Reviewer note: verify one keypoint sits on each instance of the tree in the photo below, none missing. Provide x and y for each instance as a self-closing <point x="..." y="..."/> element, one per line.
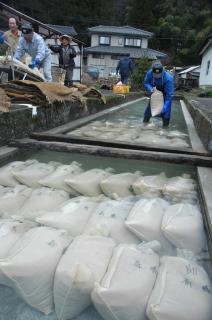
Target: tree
<point x="140" y="69"/>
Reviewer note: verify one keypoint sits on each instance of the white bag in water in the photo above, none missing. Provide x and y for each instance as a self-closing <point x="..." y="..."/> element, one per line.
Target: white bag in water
<point x="179" y="187"/>
<point x="7" y="178"/>
<point x="88" y="182"/>
<point x="31" y="263"/>
<point x="12" y="199"/>
<point x="182" y="225"/>
<point x="10" y="232"/>
<point x="108" y="220"/>
<point x="31" y="174"/>
<point x="145" y="221"/>
<point x="156" y="103"/>
<point x="182" y="291"/>
<point x="57" y="178"/>
<point x="119" y="185"/>
<point x="150" y="185"/>
<point x="124" y="291"/>
<point x="72" y="216"/>
<point x="84" y="263"/>
<point x="42" y="199"/>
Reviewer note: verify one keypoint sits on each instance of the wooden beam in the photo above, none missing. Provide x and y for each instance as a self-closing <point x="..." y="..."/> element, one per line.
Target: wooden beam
<point x="193" y="160"/>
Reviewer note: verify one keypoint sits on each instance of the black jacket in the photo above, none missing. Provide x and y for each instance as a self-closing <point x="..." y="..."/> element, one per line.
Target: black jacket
<point x="59" y="49"/>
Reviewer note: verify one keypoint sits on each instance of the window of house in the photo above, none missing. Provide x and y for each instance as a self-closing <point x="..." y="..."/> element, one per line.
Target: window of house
<point x="104" y="40"/>
<point x="120" y="42"/>
<point x="132" y="42"/>
<point x="98" y="56"/>
<point x="116" y="57"/>
<point x="208" y="67"/>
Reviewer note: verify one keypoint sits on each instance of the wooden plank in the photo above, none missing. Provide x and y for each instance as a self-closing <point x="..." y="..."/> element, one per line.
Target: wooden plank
<point x="195" y="160"/>
<point x="106" y="143"/>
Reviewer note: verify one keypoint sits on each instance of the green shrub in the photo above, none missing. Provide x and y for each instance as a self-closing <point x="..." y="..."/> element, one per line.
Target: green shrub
<point x="140" y="68"/>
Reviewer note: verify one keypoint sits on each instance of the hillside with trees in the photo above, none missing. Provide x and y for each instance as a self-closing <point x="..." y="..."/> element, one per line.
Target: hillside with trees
<point x="179" y="26"/>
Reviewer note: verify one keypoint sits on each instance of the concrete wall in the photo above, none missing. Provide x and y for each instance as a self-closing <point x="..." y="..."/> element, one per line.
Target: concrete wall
<point x="206" y="80"/>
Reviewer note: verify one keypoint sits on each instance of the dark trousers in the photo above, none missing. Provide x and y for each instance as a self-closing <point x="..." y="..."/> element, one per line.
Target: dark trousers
<point x="124" y="78"/>
<point x="69" y="76"/>
<point x="165" y="117"/>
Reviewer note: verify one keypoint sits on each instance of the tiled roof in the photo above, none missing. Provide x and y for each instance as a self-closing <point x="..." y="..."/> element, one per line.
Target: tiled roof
<point x="64" y="29"/>
<point x="125" y="30"/>
<point x="132" y="52"/>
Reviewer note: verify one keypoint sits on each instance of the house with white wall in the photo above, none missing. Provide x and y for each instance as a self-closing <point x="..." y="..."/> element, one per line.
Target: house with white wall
<point x="205" y="80"/>
<point x="110" y="43"/>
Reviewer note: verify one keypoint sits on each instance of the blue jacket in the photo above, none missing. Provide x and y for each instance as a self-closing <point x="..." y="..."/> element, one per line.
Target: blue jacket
<point x="124" y="66"/>
<point x="164" y="84"/>
<point x="37" y="49"/>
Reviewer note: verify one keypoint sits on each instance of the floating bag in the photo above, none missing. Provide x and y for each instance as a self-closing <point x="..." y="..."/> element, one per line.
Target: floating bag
<point x="182" y="292"/>
<point x="156" y="103"/>
<point x="124" y="291"/>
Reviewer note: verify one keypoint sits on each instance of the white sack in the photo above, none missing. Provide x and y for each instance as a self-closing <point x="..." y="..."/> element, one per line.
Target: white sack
<point x="88" y="182"/>
<point x="31" y="263"/>
<point x="156" y="103"/>
<point x="182" y="292"/>
<point x="7" y="178"/>
<point x="73" y="215"/>
<point x="84" y="263"/>
<point x="42" y="199"/>
<point x="119" y="185"/>
<point x="182" y="225"/>
<point x="57" y="178"/>
<point x="179" y="187"/>
<point x="124" y="291"/>
<point x="145" y="221"/>
<point x="12" y="199"/>
<point x="150" y="185"/>
<point x="31" y="174"/>
<point x="10" y="232"/>
<point x="108" y="220"/>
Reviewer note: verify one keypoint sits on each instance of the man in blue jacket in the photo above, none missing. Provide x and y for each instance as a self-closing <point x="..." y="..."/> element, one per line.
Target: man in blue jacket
<point x="124" y="68"/>
<point x="160" y="79"/>
<point x="33" y="44"/>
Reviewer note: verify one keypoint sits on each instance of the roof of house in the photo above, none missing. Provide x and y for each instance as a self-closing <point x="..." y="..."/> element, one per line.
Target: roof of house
<point x="43" y="29"/>
<point x="190" y="69"/>
<point x="132" y="52"/>
<point x="125" y="30"/>
<point x="64" y="29"/>
<point x="206" y="44"/>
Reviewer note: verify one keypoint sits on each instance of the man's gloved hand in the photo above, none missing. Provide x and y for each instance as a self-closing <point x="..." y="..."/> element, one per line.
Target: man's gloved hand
<point x="1" y="38"/>
<point x="35" y="63"/>
<point x="166" y="107"/>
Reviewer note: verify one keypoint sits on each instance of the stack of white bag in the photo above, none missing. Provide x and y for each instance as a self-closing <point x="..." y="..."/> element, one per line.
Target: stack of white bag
<point x="88" y="183"/>
<point x="7" y="178"/>
<point x="119" y="185"/>
<point x="84" y="263"/>
<point x="12" y="199"/>
<point x="150" y="186"/>
<point x="182" y="291"/>
<point x="71" y="216"/>
<point x="145" y="221"/>
<point x="182" y="225"/>
<point x="41" y="200"/>
<point x="179" y="188"/>
<point x="57" y="178"/>
<point x="31" y="263"/>
<point x="156" y="103"/>
<point x="108" y="220"/>
<point x="31" y="174"/>
<point x="125" y="289"/>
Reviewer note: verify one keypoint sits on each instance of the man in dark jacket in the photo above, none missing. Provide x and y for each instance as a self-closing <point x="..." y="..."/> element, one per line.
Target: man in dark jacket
<point x="124" y="68"/>
<point x="67" y="54"/>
